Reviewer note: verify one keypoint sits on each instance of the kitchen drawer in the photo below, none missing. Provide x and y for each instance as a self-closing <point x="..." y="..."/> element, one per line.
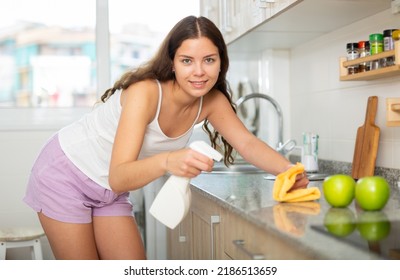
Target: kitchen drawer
<point x="244" y="241"/>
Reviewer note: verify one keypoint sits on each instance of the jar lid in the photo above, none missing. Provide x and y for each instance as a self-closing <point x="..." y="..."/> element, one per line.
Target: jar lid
<point x="352" y="46"/>
<point x="388" y="32"/>
<point x="376" y="37"/>
<point x="361" y="44"/>
<point x="396" y="35"/>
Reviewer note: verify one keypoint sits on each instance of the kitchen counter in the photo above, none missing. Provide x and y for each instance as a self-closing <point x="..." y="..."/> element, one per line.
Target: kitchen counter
<point x="250" y="197"/>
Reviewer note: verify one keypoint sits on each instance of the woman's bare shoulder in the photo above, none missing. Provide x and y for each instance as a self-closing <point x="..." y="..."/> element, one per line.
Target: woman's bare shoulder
<point x="143" y="86"/>
<point x="146" y="90"/>
<point x="141" y="98"/>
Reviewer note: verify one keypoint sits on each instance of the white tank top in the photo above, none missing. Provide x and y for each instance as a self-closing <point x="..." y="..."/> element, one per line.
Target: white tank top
<point x="88" y="142"/>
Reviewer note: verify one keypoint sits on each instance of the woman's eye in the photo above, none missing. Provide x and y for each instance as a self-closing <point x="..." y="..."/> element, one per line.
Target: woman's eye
<point x="186" y="61"/>
<point x="209" y="60"/>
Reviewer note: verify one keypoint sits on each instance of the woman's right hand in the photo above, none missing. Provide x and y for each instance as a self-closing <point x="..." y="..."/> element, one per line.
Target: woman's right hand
<point x="187" y="163"/>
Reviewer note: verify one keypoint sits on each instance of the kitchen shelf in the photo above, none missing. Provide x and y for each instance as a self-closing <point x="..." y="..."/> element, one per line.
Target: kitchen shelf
<point x="384" y="72"/>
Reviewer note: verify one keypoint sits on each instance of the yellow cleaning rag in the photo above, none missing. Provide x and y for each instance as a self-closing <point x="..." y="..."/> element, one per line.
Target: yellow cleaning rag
<point x="285" y="180"/>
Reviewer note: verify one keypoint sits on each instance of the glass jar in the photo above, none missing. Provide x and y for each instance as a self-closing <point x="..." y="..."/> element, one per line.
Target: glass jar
<point x="352" y="53"/>
<point x="388" y="45"/>
<point x="376" y="46"/>
<point x="396" y="37"/>
<point x="367" y="50"/>
<point x="363" y="49"/>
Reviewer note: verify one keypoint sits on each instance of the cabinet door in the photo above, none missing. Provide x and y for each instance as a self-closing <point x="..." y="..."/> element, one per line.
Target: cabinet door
<point x="206" y="229"/>
<point x="235" y="18"/>
<point x="198" y="236"/>
<point x="245" y="241"/>
<point x="211" y="10"/>
<point x="179" y="240"/>
<point x="222" y="13"/>
<point x="248" y="14"/>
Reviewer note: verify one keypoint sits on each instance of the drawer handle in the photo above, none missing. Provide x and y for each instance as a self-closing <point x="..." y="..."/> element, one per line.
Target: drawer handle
<point x="240" y="245"/>
<point x="182" y="237"/>
<point x="213" y="221"/>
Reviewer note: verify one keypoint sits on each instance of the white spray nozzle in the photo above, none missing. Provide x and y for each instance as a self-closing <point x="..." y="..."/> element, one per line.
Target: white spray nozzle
<point x="205" y="149"/>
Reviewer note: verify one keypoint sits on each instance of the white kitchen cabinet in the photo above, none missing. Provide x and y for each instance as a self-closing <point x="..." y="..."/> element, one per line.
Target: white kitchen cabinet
<point x="222" y="13"/>
<point x="211" y="9"/>
<point x="237" y="17"/>
<point x="294" y="22"/>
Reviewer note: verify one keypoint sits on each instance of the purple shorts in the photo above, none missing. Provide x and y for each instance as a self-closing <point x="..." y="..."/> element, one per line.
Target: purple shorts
<point x="58" y="189"/>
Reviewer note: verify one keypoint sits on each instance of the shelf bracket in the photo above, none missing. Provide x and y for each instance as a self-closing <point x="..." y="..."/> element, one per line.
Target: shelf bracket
<point x="392" y="111"/>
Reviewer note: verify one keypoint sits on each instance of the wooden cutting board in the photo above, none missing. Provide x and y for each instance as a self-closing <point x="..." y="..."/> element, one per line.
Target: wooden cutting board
<point x="367" y="141"/>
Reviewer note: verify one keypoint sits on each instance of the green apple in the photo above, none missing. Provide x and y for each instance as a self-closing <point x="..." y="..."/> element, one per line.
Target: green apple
<point x="373" y="226"/>
<point x="340" y="221"/>
<point x="372" y="193"/>
<point x="339" y="190"/>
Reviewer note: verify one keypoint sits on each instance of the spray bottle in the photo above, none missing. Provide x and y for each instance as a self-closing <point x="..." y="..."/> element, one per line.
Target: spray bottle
<point x="172" y="202"/>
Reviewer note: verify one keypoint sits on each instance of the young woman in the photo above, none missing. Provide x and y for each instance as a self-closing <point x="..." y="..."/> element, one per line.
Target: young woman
<point x="80" y="182"/>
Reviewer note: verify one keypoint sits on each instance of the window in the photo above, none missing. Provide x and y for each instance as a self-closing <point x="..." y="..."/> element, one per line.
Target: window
<point x="138" y="27"/>
<point x="48" y="49"/>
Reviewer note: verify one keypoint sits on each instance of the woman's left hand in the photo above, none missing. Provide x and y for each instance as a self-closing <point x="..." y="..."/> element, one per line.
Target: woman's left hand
<point x="301" y="182"/>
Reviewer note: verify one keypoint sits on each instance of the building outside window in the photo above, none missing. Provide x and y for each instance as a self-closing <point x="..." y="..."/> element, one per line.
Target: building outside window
<point x="48" y="49"/>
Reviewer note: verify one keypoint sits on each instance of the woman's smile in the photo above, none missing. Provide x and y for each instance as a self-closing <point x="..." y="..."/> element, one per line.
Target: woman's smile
<point x="198" y="84"/>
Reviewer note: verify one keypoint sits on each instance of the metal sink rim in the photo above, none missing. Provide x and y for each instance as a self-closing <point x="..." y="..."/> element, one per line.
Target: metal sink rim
<point x="238" y="168"/>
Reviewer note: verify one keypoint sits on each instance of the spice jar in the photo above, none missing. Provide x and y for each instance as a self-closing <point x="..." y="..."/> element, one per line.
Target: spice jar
<point x="396" y="37"/>
<point x="388" y="45"/>
<point x="376" y="46"/>
<point x="363" y="49"/>
<point x="352" y="53"/>
<point x="367" y="50"/>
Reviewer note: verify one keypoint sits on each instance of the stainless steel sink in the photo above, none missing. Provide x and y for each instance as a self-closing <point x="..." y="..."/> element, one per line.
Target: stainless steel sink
<point x="247" y="168"/>
<point x="310" y="176"/>
<point x="237" y="168"/>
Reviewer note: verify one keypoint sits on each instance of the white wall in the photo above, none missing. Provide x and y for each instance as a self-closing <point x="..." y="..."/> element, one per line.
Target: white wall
<point x="18" y="150"/>
<point x="268" y="72"/>
<point x="22" y="133"/>
<point x="305" y="81"/>
<point x="334" y="109"/>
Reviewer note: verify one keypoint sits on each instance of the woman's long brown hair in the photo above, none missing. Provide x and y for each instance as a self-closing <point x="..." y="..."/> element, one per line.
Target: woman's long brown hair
<point x="160" y="68"/>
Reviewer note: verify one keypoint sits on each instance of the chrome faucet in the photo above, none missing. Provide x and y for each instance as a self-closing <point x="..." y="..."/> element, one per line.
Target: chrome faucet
<point x="281" y="147"/>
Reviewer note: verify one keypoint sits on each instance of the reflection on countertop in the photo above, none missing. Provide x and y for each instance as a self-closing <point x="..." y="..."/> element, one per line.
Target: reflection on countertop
<point x="292" y="217"/>
<point x="250" y="197"/>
